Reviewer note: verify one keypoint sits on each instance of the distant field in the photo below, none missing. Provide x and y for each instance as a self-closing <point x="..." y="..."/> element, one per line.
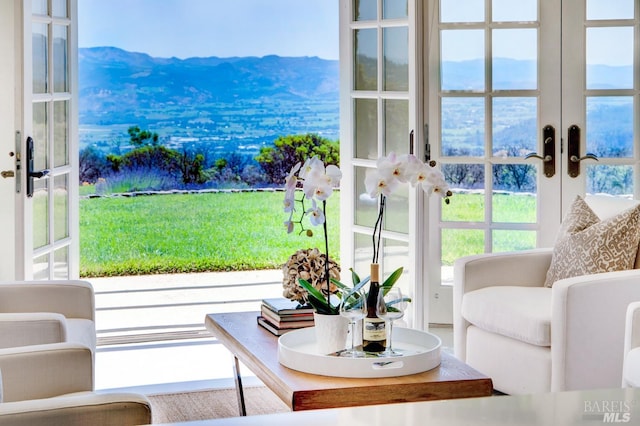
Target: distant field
<point x="245" y="231"/>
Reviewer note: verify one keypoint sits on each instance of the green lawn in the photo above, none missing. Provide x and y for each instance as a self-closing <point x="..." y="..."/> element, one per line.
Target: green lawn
<point x="192" y="233"/>
<point x="245" y="231"/>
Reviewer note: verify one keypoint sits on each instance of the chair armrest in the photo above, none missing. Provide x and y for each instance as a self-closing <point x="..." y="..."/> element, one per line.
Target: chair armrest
<point x="117" y="409"/>
<point x="632" y="327"/>
<point x="71" y="298"/>
<point x="588" y="327"/>
<point x="521" y="268"/>
<point x="525" y="268"/>
<point x="36" y="328"/>
<point x="44" y="371"/>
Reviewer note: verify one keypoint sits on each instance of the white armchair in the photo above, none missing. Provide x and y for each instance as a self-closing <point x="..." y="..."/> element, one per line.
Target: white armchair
<point x="40" y="312"/>
<point x="530" y="338"/>
<point x="631" y="369"/>
<point x="52" y="384"/>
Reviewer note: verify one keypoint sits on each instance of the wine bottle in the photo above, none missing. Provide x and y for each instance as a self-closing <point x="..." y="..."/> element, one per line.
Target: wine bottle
<point x="374" y="334"/>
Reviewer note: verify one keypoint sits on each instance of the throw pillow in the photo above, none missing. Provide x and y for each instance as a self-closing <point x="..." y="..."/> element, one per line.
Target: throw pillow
<point x="586" y="245"/>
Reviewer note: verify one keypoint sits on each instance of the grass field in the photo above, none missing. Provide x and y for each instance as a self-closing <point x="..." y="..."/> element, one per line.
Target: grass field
<point x="192" y="233"/>
<point x="245" y="231"/>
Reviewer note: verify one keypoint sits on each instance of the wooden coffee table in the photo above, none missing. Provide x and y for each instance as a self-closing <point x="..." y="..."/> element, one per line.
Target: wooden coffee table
<point x="257" y="348"/>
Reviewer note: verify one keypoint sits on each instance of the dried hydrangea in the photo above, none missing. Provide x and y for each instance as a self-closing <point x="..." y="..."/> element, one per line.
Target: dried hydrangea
<point x="309" y="265"/>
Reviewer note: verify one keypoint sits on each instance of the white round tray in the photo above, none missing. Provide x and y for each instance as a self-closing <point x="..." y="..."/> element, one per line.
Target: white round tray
<point x="421" y="352"/>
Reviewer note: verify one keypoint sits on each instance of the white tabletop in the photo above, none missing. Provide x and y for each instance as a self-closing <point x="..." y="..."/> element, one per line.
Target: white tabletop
<point x="562" y="409"/>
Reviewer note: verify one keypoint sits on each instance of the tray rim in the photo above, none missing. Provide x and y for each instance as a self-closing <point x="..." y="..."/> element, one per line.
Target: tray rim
<point x="295" y="359"/>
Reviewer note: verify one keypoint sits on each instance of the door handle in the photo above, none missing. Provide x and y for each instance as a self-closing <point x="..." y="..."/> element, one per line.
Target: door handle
<point x="548" y="151"/>
<point x="31" y="174"/>
<point x="573" y="152"/>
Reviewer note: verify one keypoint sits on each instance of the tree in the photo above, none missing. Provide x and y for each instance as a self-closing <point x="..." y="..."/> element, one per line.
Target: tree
<point x="93" y="164"/>
<point x="142" y="137"/>
<point x="276" y="161"/>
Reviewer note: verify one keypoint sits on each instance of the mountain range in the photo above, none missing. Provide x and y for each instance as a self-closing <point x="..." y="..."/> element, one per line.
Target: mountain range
<point x="114" y="82"/>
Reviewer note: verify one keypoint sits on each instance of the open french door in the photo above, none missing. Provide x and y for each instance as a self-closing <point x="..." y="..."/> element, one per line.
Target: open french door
<point x="530" y="104"/>
<point x="379" y="47"/>
<point x="46" y="142"/>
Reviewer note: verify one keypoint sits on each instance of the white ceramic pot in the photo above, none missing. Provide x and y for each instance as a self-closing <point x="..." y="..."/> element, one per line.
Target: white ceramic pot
<point x="331" y="332"/>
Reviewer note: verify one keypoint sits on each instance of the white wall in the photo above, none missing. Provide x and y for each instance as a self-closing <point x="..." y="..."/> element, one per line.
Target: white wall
<point x="8" y="28"/>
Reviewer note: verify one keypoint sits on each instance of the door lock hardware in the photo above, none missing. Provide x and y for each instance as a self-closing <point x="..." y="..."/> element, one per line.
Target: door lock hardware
<point x="573" y="154"/>
<point x="31" y="174"/>
<point x="548" y="151"/>
<point x="7" y="173"/>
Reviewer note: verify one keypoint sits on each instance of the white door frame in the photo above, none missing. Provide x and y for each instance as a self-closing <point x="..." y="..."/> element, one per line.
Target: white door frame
<point x="10" y="12"/>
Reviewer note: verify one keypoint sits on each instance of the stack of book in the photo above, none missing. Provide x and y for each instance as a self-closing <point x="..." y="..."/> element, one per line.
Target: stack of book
<point x="280" y="315"/>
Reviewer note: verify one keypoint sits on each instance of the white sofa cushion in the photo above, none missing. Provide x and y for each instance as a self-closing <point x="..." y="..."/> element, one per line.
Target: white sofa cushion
<point x="587" y="245"/>
<point x="632" y="368"/>
<point x="522" y="313"/>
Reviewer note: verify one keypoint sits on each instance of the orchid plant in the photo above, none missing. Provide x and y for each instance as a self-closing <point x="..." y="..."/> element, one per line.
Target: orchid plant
<point x="393" y="171"/>
<point x="317" y="183"/>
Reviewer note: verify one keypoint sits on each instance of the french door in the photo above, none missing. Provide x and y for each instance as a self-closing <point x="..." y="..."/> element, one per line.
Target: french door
<point x="47" y="187"/>
<point x="380" y="81"/>
<point x="532" y="105"/>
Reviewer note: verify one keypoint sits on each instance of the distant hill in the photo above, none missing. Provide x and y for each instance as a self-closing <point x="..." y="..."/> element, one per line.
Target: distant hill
<point x="118" y="84"/>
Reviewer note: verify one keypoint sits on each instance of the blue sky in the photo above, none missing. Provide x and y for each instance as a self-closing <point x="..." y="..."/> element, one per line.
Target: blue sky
<point x="187" y="28"/>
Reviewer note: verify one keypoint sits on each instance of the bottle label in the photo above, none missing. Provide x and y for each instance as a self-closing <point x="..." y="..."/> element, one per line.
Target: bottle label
<point x="374" y="330"/>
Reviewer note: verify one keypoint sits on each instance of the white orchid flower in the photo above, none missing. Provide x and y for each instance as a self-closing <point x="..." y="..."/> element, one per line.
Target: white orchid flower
<point x="333" y="174"/>
<point x="380" y="181"/>
<point x="311" y="165"/>
<point x="291" y="180"/>
<point x="316" y="215"/>
<point x="289" y="202"/>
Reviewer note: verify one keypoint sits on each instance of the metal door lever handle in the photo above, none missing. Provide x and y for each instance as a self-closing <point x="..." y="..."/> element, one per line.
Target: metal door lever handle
<point x="7" y="173"/>
<point x="577" y="159"/>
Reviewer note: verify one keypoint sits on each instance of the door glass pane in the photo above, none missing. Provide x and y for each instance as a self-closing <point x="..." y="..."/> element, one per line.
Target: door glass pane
<point x="60" y="134"/>
<point x="516" y="203"/>
<point x="39" y="7"/>
<point x="366" y="211"/>
<point x="60" y="70"/>
<point x="366" y="128"/>
<point x="392" y="9"/>
<point x="363" y="255"/>
<point x="39" y="58"/>
<point x="395" y="256"/>
<point x="462" y="126"/>
<point x="462" y="70"/>
<point x="41" y="267"/>
<point x="508" y="240"/>
<point x="614" y="180"/>
<point x="467" y="181"/>
<point x="504" y="11"/>
<point x="365" y="10"/>
<point x="610" y="128"/>
<point x="60" y="207"/>
<point x="396" y="126"/>
<point x="608" y="9"/>
<point x="514" y="126"/>
<point x="515" y="53"/>
<point x="396" y="58"/>
<point x="366" y="59"/>
<point x="397" y="210"/>
<point x="40" y="213"/>
<point x="462" y="11"/>
<point x="59" y="9"/>
<point x="61" y="264"/>
<point x="610" y="58"/>
<point x="40" y="136"/>
<point x="460" y="242"/>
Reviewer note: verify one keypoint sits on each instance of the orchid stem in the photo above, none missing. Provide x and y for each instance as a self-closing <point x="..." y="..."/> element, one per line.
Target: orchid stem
<point x="326" y="251"/>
